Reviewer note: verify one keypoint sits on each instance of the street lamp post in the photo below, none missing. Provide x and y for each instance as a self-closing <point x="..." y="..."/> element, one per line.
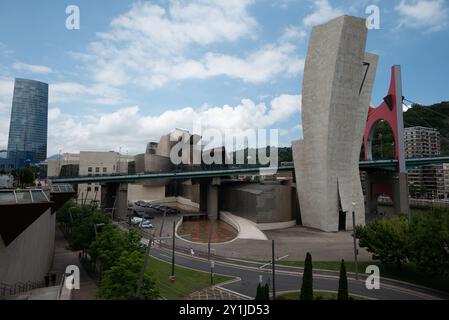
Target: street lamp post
<point x="273" y="266"/>
<point x="145" y="263"/>
<point x="208" y="246"/>
<point x="355" y="243"/>
<point x="212" y="265"/>
<point x="162" y="227"/>
<point x="96" y="230"/>
<point x="173" y="251"/>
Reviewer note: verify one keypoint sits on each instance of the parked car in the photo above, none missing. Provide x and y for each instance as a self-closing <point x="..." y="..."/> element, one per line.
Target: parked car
<point x="146" y="224"/>
<point x="136" y="220"/>
<point x="140" y="203"/>
<point x="172" y="211"/>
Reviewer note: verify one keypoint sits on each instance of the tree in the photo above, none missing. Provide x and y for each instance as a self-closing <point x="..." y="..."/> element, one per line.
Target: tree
<point x="120" y="281"/>
<point x="25" y="177"/>
<point x="343" y="283"/>
<point x="110" y="244"/>
<point x="387" y="239"/>
<point x="83" y="230"/>
<point x="260" y="292"/>
<point x="266" y="292"/>
<point x="307" y="279"/>
<point x="429" y="241"/>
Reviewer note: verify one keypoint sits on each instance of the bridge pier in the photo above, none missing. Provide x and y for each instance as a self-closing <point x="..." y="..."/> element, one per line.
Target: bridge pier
<point x="209" y="190"/>
<point x="392" y="184"/>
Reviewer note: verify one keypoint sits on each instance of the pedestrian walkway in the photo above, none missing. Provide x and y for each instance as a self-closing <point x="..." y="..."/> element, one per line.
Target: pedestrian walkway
<point x="64" y="257"/>
<point x="215" y="293"/>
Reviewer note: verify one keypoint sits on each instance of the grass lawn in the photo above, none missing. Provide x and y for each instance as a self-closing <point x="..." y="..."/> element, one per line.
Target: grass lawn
<point x="317" y="295"/>
<point x="408" y="273"/>
<point x="187" y="280"/>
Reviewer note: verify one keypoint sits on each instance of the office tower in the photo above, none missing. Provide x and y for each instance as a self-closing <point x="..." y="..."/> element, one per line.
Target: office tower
<point x="27" y="143"/>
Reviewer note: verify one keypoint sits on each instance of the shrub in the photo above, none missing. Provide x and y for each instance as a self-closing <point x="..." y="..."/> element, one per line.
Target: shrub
<point x="343" y="283"/>
<point x="120" y="281"/>
<point x="307" y="280"/>
<point x="387" y="239"/>
<point x="429" y="241"/>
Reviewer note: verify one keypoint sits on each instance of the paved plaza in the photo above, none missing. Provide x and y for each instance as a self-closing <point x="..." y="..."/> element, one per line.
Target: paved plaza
<point x="294" y="242"/>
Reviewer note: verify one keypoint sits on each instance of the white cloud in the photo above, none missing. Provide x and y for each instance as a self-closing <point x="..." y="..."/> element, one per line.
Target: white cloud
<point x="150" y="46"/>
<point x="6" y="93"/>
<point x="130" y="129"/>
<point x="293" y="33"/>
<point x="5" y="51"/>
<point x="429" y="15"/>
<point x="32" y="68"/>
<point x="323" y="13"/>
<point x="72" y="91"/>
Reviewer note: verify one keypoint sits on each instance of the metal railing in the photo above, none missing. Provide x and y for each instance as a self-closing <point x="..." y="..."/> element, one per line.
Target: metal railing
<point x="61" y="188"/>
<point x="20" y="287"/>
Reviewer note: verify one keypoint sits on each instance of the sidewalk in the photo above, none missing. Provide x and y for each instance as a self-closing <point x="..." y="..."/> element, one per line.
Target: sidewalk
<point x="63" y="257"/>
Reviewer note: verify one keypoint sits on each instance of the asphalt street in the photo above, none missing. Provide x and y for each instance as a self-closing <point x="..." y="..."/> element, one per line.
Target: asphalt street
<point x="287" y="280"/>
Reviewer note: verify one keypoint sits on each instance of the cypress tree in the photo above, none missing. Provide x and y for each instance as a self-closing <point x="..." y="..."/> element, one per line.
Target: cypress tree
<point x="258" y="292"/>
<point x="267" y="292"/>
<point x="259" y="295"/>
<point x="343" y="283"/>
<point x="307" y="279"/>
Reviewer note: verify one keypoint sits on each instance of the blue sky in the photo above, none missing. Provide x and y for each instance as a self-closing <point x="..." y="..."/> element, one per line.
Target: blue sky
<point x="137" y="69"/>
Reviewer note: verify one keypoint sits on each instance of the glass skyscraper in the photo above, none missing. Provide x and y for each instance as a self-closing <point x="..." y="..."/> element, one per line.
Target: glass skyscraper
<point x="27" y="143"/>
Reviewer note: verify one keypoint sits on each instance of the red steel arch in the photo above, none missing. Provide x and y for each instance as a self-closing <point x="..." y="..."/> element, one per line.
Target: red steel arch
<point x="391" y="112"/>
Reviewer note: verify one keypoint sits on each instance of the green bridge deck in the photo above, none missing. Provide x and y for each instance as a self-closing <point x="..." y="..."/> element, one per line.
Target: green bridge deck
<point x="388" y="165"/>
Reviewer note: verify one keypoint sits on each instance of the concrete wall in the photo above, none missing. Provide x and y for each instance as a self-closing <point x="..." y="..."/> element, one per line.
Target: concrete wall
<point x="189" y="191"/>
<point x="54" y="166"/>
<point x="143" y="192"/>
<point x="152" y="163"/>
<point x="260" y="203"/>
<point x="29" y="256"/>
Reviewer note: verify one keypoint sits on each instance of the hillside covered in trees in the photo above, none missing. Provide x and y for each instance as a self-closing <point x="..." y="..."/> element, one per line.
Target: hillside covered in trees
<point x="434" y="116"/>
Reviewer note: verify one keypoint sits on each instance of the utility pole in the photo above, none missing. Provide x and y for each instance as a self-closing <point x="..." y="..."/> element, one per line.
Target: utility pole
<point x="212" y="265"/>
<point x="162" y="227"/>
<point x="273" y="265"/>
<point x="208" y="246"/>
<point x="142" y="272"/>
<point x="355" y="246"/>
<point x="173" y="251"/>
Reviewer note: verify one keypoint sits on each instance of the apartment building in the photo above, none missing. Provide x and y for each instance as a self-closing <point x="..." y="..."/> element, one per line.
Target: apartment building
<point x="427" y="181"/>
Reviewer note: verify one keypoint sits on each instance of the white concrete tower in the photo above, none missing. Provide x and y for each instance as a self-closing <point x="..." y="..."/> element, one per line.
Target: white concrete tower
<point x="336" y="93"/>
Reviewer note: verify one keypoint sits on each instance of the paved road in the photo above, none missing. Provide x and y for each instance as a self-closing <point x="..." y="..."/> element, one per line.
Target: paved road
<point x="287" y="280"/>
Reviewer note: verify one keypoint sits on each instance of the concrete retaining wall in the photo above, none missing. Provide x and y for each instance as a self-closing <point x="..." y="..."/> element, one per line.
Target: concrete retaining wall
<point x="29" y="256"/>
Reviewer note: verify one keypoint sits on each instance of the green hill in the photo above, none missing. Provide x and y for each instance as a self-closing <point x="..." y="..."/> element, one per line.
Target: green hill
<point x="434" y="116"/>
